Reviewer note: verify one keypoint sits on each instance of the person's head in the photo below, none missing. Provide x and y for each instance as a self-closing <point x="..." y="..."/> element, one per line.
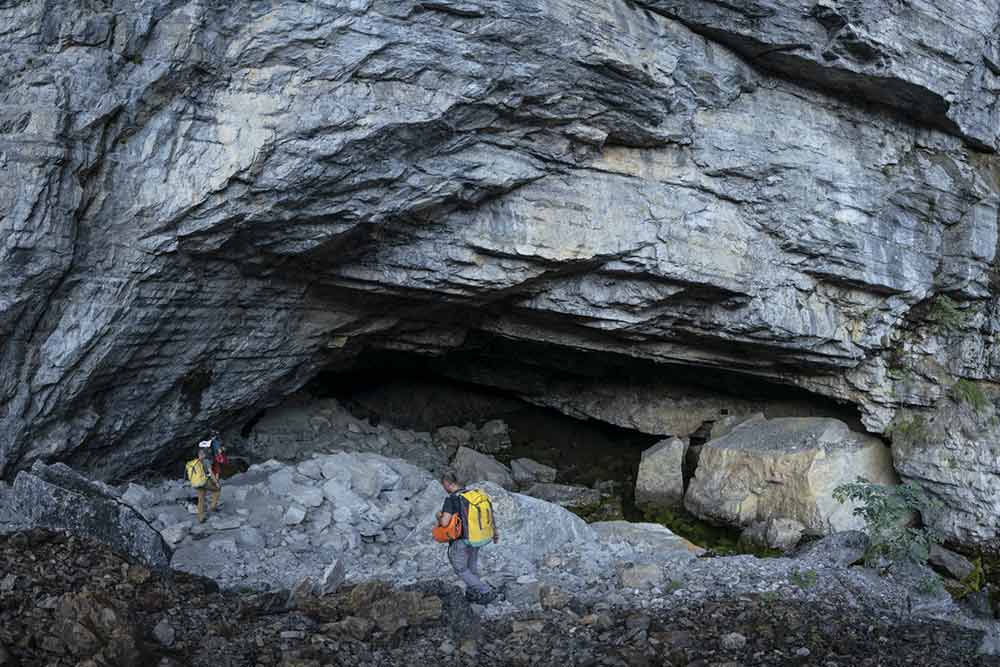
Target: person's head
<point x="449" y="480"/>
<point x="203" y="451"/>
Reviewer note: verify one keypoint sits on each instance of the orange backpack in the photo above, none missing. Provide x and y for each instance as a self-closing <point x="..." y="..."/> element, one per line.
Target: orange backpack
<point x="451" y="532"/>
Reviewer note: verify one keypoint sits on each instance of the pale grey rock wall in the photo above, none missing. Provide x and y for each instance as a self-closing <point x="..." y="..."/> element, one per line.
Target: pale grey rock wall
<point x="203" y="206"/>
<point x="935" y="61"/>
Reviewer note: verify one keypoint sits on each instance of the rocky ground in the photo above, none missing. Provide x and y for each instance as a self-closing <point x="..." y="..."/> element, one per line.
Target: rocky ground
<point x="67" y="601"/>
<point x="326" y="558"/>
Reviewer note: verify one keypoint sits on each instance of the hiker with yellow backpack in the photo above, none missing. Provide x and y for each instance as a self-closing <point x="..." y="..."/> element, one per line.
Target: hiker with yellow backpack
<point x="204" y="478"/>
<point x="467" y="524"/>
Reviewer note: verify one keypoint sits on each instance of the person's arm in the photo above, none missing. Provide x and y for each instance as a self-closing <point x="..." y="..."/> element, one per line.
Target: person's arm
<point x="447" y="510"/>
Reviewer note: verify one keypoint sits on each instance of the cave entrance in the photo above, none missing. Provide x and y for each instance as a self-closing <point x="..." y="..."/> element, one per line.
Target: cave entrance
<point x="587" y="415"/>
<point x="584" y="452"/>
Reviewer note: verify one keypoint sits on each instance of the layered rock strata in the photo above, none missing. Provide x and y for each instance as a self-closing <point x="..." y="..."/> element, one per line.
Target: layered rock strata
<point x="205" y="206"/>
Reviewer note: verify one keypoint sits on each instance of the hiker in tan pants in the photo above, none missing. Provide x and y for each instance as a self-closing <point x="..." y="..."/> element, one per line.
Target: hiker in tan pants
<point x="212" y="484"/>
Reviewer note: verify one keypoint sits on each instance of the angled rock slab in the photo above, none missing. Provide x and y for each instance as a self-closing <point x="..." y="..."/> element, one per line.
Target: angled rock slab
<point x="529" y="471"/>
<point x="660" y="482"/>
<point x="565" y="495"/>
<point x="59" y="498"/>
<point x="786" y="468"/>
<point x="644" y="537"/>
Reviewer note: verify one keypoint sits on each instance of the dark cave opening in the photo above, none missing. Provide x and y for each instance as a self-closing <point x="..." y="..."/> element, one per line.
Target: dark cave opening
<point x="497" y="379"/>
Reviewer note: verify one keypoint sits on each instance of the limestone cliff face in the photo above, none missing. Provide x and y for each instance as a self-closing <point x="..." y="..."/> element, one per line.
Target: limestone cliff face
<point x="201" y="205"/>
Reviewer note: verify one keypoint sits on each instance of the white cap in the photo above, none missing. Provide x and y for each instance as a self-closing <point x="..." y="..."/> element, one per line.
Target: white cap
<point x="205" y="443"/>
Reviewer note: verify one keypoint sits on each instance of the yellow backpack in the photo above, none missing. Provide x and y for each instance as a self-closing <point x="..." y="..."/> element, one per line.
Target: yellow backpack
<point x="479" y="522"/>
<point x="196" y="473"/>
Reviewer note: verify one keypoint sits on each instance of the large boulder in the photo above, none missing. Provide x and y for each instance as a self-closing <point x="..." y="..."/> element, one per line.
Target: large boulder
<point x="660" y="482"/>
<point x="786" y="468"/>
<point x="59" y="498"/>
<point x="780" y="534"/>
<point x="472" y="466"/>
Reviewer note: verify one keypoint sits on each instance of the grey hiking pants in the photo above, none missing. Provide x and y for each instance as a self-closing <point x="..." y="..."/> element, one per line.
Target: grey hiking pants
<point x="465" y="561"/>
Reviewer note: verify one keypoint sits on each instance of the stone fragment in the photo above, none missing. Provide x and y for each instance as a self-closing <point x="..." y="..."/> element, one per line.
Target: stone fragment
<point x="733" y="641"/>
<point x="294" y="515"/>
<point x="660" y="481"/>
<point x="990" y="644"/>
<point x="250" y="537"/>
<point x="977" y="605"/>
<point x="840" y="549"/>
<point x="348" y="507"/>
<point x="641" y="576"/>
<point x="528" y="471"/>
<point x="553" y="597"/>
<point x="320" y="521"/>
<point x="472" y="466"/>
<point x="225" y="522"/>
<point x="786" y="468"/>
<point x="333" y="577"/>
<point x="519" y="627"/>
<point x="450" y="438"/>
<point x="137" y="496"/>
<point x="306" y="495"/>
<point x="351" y="627"/>
<point x="225" y="546"/>
<point x="523" y="593"/>
<point x="164" y="633"/>
<point x="310" y="468"/>
<point x="492" y="437"/>
<point x="781" y="534"/>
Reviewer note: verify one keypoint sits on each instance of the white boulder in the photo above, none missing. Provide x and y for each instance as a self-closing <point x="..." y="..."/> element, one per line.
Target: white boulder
<point x="786" y="468"/>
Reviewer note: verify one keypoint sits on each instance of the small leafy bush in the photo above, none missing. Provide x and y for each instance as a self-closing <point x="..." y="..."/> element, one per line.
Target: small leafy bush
<point x="945" y="313"/>
<point x="911" y="429"/>
<point x="804" y="580"/>
<point x="972" y="583"/>
<point x="886" y="511"/>
<point x="968" y="392"/>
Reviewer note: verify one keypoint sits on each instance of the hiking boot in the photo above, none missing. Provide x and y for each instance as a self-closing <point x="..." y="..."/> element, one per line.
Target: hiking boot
<point x="488" y="597"/>
<point x="472" y="596"/>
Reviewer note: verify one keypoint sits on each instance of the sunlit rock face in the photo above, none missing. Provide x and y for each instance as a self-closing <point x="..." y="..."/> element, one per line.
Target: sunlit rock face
<point x="201" y="207"/>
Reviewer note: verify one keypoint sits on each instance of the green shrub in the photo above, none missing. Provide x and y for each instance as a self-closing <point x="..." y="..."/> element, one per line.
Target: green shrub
<point x="968" y="392"/>
<point x="973" y="582"/>
<point x="945" y="313"/>
<point x="804" y="580"/>
<point x="770" y="596"/>
<point x="886" y="511"/>
<point x="908" y="428"/>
